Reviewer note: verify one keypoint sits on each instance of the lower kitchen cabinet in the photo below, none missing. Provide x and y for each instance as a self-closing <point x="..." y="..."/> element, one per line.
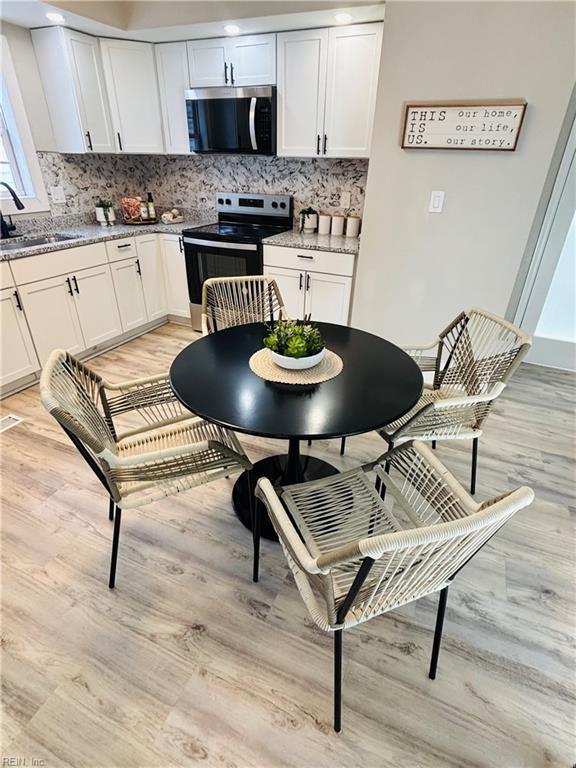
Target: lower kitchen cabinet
<point x="96" y="305"/>
<point x="151" y="270"/>
<point x="327" y="297"/>
<point x="290" y="282"/>
<point x="176" y="280"/>
<point x="129" y="292"/>
<point x="18" y="357"/>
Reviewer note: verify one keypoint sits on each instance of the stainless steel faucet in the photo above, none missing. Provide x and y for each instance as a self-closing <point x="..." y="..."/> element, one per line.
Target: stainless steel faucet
<point x="5" y="226"/>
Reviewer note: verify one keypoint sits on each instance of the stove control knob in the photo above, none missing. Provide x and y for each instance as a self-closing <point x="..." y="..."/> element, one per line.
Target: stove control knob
<point x="282" y="205"/>
<point x="274" y="204"/>
<point x="220" y="201"/>
<point x="228" y="201"/>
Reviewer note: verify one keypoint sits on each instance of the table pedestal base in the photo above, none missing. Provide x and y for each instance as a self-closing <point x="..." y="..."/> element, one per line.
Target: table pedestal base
<point x="280" y="470"/>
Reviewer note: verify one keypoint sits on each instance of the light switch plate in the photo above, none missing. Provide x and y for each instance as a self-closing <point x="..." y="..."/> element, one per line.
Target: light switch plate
<point x="436" y="201"/>
<point x="345" y="199"/>
<point x="57" y="194"/>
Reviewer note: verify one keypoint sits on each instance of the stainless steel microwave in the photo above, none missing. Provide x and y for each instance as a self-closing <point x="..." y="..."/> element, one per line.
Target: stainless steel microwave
<point x="232" y="120"/>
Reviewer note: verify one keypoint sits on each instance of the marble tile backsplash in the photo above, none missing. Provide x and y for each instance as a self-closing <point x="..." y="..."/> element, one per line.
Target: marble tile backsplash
<point x="190" y="182"/>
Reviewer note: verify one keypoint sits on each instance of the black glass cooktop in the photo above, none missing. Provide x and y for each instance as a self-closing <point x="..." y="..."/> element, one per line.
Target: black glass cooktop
<point x="242" y="233"/>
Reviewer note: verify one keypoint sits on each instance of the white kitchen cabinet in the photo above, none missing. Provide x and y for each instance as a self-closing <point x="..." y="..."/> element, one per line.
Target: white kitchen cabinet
<point x="17" y="353"/>
<point x="246" y="60"/>
<point x="175" y="272"/>
<point x="290" y="282"/>
<point x="327" y="297"/>
<point x="173" y="81"/>
<point x="302" y="58"/>
<point x="352" y="82"/>
<point x="129" y="293"/>
<point x="150" y="265"/>
<point x="96" y="305"/>
<point x="52" y="316"/>
<point x="132" y="85"/>
<point x="327" y="83"/>
<point x="73" y="80"/>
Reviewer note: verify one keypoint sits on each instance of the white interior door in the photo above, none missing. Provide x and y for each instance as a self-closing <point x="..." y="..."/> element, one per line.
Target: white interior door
<point x="130" y="73"/>
<point x="96" y="304"/>
<point x="17" y="353"/>
<point x="207" y="63"/>
<point x="175" y="272"/>
<point x="353" y="67"/>
<point x="252" y="59"/>
<point x="129" y="293"/>
<point x="291" y="284"/>
<point x="91" y="92"/>
<point x="173" y="80"/>
<point x="152" y="276"/>
<point x="302" y="60"/>
<point x="51" y="312"/>
<point x="328" y="297"/>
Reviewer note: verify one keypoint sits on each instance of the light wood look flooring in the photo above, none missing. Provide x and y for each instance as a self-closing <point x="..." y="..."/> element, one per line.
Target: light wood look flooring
<point x="187" y="662"/>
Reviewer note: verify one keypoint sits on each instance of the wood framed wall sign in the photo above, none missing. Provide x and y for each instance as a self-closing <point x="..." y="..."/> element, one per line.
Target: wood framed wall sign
<point x="493" y="125"/>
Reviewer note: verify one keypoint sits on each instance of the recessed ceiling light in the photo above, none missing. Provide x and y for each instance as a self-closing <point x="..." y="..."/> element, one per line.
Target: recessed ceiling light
<point x="232" y="29"/>
<point x="55" y="18"/>
<point x="343" y="18"/>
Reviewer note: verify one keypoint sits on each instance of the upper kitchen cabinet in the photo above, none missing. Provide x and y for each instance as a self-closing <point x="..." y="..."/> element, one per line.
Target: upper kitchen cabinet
<point x="173" y="79"/>
<point x="247" y="60"/>
<point x="327" y="80"/>
<point x="130" y="72"/>
<point x="73" y="81"/>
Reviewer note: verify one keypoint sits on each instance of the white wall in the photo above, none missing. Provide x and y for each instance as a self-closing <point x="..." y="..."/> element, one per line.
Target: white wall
<point x="20" y="44"/>
<point x="417" y="270"/>
<point x="558" y="318"/>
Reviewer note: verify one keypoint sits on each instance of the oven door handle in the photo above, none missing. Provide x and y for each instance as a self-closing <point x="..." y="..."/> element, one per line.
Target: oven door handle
<point x="252" y="123"/>
<point x="221" y="244"/>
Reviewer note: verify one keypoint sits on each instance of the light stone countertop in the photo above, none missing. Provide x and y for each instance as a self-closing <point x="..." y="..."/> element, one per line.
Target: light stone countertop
<point x="295" y="239"/>
<point x="93" y="233"/>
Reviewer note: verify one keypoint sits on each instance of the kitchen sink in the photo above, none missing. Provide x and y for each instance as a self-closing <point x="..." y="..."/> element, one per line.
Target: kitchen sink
<point x="11" y="244"/>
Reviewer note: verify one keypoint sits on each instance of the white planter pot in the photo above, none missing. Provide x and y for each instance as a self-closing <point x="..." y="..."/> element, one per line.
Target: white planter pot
<point x="310" y="223"/>
<point x="298" y="363"/>
<point x="101" y="215"/>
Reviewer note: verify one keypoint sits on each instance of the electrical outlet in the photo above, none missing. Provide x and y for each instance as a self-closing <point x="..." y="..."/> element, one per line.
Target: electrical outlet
<point x="57" y="194"/>
<point x="345" y="199"/>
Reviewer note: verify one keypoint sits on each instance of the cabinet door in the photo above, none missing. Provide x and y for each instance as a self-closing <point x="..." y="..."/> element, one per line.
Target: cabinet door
<point x="252" y="59"/>
<point x="207" y="63"/>
<point x="176" y="280"/>
<point x="91" y="93"/>
<point x="52" y="316"/>
<point x="328" y="297"/>
<point x="18" y="357"/>
<point x="130" y="73"/>
<point x="302" y="59"/>
<point x="353" y="66"/>
<point x="173" y="80"/>
<point x="96" y="304"/>
<point x="129" y="293"/>
<point x="291" y="283"/>
<point x="152" y="276"/>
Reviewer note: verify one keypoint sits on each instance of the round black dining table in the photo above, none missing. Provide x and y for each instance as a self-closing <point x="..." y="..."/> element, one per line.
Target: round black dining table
<point x="211" y="377"/>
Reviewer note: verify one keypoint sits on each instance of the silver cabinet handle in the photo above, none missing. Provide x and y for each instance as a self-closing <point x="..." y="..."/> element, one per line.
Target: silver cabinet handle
<point x="252" y="123"/>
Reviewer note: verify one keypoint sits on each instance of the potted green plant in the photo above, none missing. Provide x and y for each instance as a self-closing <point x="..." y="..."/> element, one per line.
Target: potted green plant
<point x="105" y="212"/>
<point x="308" y="220"/>
<point x="295" y="344"/>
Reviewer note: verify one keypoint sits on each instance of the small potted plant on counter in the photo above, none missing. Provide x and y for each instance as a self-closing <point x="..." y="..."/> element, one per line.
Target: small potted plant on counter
<point x="105" y="212"/>
<point x="295" y="344"/>
<point x="308" y="220"/>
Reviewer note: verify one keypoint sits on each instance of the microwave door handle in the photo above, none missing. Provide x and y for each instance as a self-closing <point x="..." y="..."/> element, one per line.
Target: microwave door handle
<point x="252" y="123"/>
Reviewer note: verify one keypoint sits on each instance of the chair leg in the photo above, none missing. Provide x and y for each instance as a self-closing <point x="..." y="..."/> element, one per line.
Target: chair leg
<point x="433" y="445"/>
<point x="338" y="680"/>
<point x="438" y="632"/>
<point x="111" y="509"/>
<point x="309" y="443"/>
<point x="387" y="464"/>
<point x="255" y="517"/>
<point x="474" y="466"/>
<point x="342" y="446"/>
<point x="115" y="540"/>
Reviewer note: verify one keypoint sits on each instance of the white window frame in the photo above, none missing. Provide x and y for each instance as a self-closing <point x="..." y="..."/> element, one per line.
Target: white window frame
<point x="36" y="199"/>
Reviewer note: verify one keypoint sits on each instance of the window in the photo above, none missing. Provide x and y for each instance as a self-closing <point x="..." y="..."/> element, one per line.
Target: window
<point x="18" y="160"/>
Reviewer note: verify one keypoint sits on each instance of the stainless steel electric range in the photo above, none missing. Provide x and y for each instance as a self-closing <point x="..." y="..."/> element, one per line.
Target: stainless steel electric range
<point x="233" y="245"/>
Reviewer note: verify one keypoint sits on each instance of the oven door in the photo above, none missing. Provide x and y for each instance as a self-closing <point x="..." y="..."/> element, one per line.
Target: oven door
<point x="232" y="120"/>
<point x="211" y="258"/>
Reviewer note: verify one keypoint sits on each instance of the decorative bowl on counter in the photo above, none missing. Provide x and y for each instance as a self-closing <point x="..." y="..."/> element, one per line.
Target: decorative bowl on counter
<point x="298" y="363"/>
<point x="295" y="344"/>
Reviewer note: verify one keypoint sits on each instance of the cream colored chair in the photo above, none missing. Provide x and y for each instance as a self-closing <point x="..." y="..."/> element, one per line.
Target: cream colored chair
<point x="471" y="361"/>
<point x="356" y="553"/>
<point x="231" y="301"/>
<point x="168" y="452"/>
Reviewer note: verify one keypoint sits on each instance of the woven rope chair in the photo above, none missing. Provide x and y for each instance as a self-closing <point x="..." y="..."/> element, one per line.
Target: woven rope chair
<point x="356" y="553"/>
<point x="231" y="301"/>
<point x="168" y="452"/>
<point x="471" y="361"/>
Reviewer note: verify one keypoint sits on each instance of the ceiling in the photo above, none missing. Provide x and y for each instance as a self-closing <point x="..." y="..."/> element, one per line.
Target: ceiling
<point x="163" y="20"/>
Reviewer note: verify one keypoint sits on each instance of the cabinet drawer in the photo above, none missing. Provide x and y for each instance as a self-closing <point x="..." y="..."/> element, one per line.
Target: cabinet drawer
<point x="6" y="280"/>
<point x="121" y="249"/>
<point x="45" y="265"/>
<point x="303" y="259"/>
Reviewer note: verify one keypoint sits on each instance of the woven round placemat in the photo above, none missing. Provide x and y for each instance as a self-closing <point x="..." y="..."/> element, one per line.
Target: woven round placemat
<point x="262" y="365"/>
